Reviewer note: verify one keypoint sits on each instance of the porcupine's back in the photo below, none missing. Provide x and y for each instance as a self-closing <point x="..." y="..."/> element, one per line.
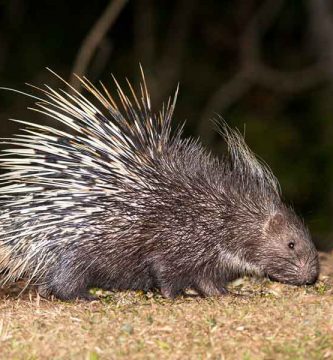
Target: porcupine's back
<point x="121" y="203"/>
<point x="64" y="188"/>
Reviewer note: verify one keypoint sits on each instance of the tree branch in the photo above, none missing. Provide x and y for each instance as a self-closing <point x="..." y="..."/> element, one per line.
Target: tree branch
<point x="93" y="39"/>
<point x="144" y="31"/>
<point x="254" y="72"/>
<point x="287" y="81"/>
<point x="321" y="24"/>
<point x="228" y="94"/>
<point x="169" y="65"/>
<point x="256" y="28"/>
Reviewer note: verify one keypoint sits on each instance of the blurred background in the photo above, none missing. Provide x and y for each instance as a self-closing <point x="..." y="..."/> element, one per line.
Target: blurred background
<point x="265" y="66"/>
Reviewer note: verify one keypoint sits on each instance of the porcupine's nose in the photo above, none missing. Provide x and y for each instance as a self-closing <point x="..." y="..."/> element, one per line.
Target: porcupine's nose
<point x="310" y="274"/>
<point x="308" y="268"/>
<point x="311" y="280"/>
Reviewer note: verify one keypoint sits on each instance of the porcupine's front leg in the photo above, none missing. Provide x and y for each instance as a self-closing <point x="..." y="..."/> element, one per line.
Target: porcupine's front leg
<point x="170" y="292"/>
<point x="170" y="283"/>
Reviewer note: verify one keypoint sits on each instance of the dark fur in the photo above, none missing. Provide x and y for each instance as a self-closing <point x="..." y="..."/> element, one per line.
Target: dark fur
<point x="183" y="223"/>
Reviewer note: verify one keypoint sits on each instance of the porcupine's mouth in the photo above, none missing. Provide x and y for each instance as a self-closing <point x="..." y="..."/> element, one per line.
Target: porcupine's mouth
<point x="293" y="282"/>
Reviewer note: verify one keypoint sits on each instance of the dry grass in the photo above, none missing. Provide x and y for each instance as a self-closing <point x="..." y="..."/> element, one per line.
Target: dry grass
<point x="272" y="321"/>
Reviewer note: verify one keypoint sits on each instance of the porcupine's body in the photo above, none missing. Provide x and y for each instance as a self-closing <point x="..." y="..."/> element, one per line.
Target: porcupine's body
<point x="120" y="203"/>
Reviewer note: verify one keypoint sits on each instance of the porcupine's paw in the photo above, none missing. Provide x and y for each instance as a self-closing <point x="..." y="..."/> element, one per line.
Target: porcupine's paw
<point x="207" y="288"/>
<point x="72" y="291"/>
<point x="170" y="292"/>
<point x="65" y="293"/>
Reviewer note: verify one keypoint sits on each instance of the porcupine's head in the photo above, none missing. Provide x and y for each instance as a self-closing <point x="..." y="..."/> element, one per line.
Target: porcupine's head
<point x="289" y="254"/>
<point x="270" y="237"/>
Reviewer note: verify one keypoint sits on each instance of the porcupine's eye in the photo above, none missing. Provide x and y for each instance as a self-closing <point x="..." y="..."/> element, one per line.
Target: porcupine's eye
<point x="291" y="245"/>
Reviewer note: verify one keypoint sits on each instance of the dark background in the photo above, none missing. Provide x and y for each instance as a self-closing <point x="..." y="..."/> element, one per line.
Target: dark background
<point x="266" y="66"/>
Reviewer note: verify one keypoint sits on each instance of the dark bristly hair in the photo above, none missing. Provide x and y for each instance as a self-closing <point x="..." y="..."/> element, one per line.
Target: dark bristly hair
<point x="122" y="202"/>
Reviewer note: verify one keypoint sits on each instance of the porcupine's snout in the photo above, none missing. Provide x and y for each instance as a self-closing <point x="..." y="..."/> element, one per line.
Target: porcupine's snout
<point x="300" y="272"/>
<point x="307" y="267"/>
<point x="309" y="271"/>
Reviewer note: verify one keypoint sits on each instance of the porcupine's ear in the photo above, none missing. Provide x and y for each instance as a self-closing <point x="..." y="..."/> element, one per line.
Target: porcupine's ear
<point x="247" y="169"/>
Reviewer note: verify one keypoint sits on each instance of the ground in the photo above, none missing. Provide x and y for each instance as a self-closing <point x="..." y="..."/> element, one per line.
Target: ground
<point x="268" y="321"/>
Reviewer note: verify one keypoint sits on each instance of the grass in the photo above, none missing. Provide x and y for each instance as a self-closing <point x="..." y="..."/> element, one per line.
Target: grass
<point x="271" y="321"/>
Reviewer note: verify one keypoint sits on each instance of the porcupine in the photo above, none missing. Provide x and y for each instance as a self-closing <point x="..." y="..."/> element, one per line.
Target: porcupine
<point x="122" y="202"/>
